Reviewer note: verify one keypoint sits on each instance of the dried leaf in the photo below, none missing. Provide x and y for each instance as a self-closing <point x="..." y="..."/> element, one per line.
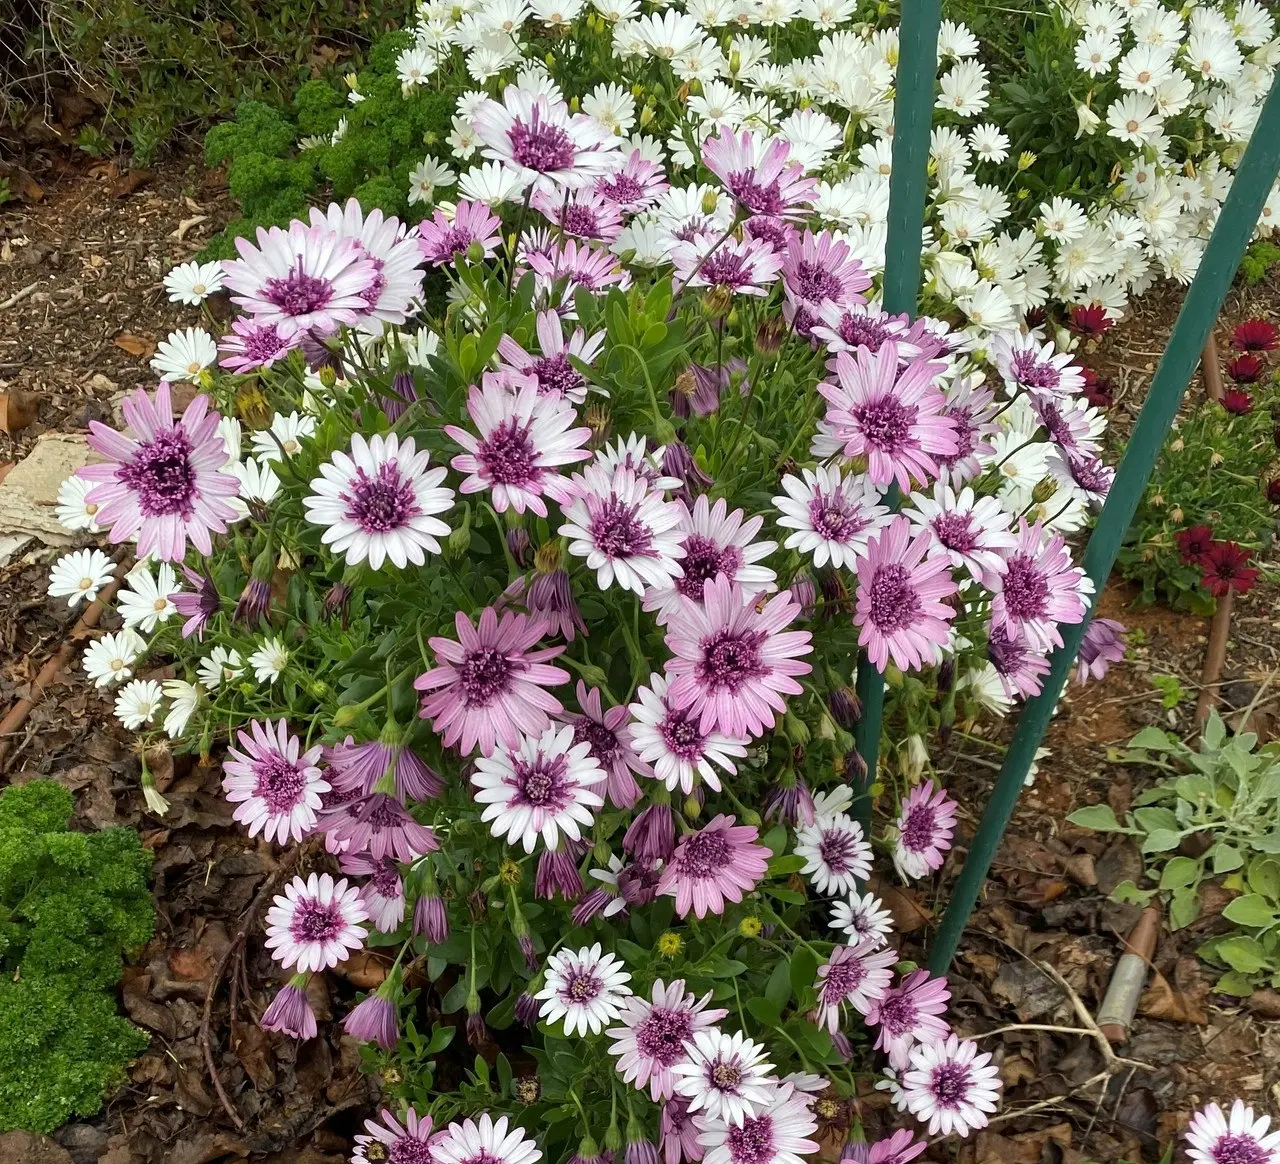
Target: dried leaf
<point x="129" y="183"/>
<point x="366" y="970"/>
<point x="252" y="1046"/>
<point x="136" y="345"/>
<point x="1161" y="1000"/>
<point x="17" y="410"/>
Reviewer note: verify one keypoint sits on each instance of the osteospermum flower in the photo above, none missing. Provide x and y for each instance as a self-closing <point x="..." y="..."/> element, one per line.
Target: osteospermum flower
<point x="733" y="663"/>
<point x="524" y="439"/>
<point x="553" y="369"/>
<point x="853" y="976"/>
<point x="165" y="483"/>
<point x="759" y="173"/>
<point x="488" y="687"/>
<point x="385" y="241"/>
<point x="951" y="1087"/>
<point x="777" y="1134"/>
<point x="79" y="575"/>
<point x="1194" y="543"/>
<point x="1103" y="644"/>
<point x="925" y="827"/>
<point x="895" y="417"/>
<point x="847" y="327"/>
<point x="584" y="987"/>
<point x="315" y="924"/>
<point x="146" y="599"/>
<point x="440" y="238"/>
<point x="184" y="355"/>
<point x="407" y="1143"/>
<point x="252" y="344"/>
<point x="544" y="787"/>
<point x="726" y="1077"/>
<point x="972" y="532"/>
<point x="907" y="1014"/>
<point x="1040" y="368"/>
<point x="483" y="1141"/>
<point x="820" y="269"/>
<point x="1038" y="587"/>
<point x="718" y="863"/>
<point x="741" y="266"/>
<point x="110" y="659"/>
<point x="863" y="918"/>
<point x="1255" y="335"/>
<point x="833" y="515"/>
<point x="900" y="1148"/>
<point x="653" y="1034"/>
<point x="603" y="731"/>
<point x="1225" y="567"/>
<point x="1239" y="1137"/>
<point x="377" y="503"/>
<point x="836" y="854"/>
<point x="360" y="766"/>
<point x="193" y="283"/>
<point x="275" y="784"/>
<point x="635" y="187"/>
<point x="377" y="824"/>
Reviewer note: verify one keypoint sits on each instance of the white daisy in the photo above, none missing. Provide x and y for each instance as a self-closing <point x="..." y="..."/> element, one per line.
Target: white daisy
<point x="778" y="1134"/>
<point x="138" y="703"/>
<point x="834" y="516"/>
<point x="671" y="740"/>
<point x="726" y="1077"/>
<point x="193" y="283"/>
<point x="284" y="436"/>
<point x="269" y="660"/>
<point x="584" y="987"/>
<point x="184" y="355"/>
<point x="425" y="177"/>
<point x="862" y="918"/>
<point x="971" y="531"/>
<point x="183" y="699"/>
<point x="79" y="575"/>
<point x="110" y="658"/>
<point x="486" y="1141"/>
<point x="836" y="854"/>
<point x="73" y="511"/>
<point x="220" y="666"/>
<point x="144" y="601"/>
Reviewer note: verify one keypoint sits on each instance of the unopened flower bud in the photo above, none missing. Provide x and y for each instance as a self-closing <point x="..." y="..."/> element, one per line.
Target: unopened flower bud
<point x="1026" y="160"/>
<point x="548" y="558"/>
<point x="1043" y="490"/>
<point x="337" y="603"/>
<point x="692" y="807"/>
<point x="459" y="540"/>
<point x="717" y="302"/>
<point x="845" y="706"/>
<point x="770" y="334"/>
<point x="527" y="1009"/>
<point x="797" y="731"/>
<point x="521" y="547"/>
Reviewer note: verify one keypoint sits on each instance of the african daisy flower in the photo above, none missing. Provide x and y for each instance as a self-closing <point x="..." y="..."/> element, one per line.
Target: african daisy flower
<point x="488" y="686"/>
<point x="396" y="281"/>
<point x="725" y="1077"/>
<point x="715" y="541"/>
<point x="553" y="369"/>
<point x="377" y="502"/>
<point x="972" y="411"/>
<point x="542" y="143"/>
<point x="524" y="439"/>
<point x="907" y="1014"/>
<point x="777" y="1134"/>
<point x="853" y="976"/>
<point x="486" y="1141"/>
<point x="382" y="893"/>
<point x="406" y="1143"/>
<point x="820" y="269"/>
<point x="971" y="532"/>
<point x="582" y="213"/>
<point x="290" y="1011"/>
<point x="741" y="266"/>
<point x="79" y="575"/>
<point x="719" y="863"/>
<point x="584" y="987"/>
<point x="900" y="1148"/>
<point x="863" y="918"/>
<point x="315" y="924"/>
<point x="604" y="732"/>
<point x="377" y="824"/>
<point x="900" y="592"/>
<point x="575" y="264"/>
<point x="847" y="327"/>
<point x="836" y="855"/>
<point x="276" y="785"/>
<point x="252" y="344"/>
<point x="671" y="740"/>
<point x="833" y="515"/>
<point x="1037" y="587"/>
<point x="925" y="827"/>
<point x="1018" y="663"/>
<point x="733" y="663"/>
<point x="626" y="531"/>
<point x="678" y="1133"/>
<point x="1225" y="567"/>
<point x="893" y="416"/>
<point x="1040" y="368"/>
<point x="163" y="484"/>
<point x="301" y="279"/>
<point x="1103" y="644"/>
<point x="951" y="1087"/>
<point x="1240" y="1137"/>
<point x="635" y="187"/>
<point x="440" y="238"/>
<point x="543" y="787"/>
<point x="759" y="173"/>
<point x="361" y="766"/>
<point x="653" y="1034"/>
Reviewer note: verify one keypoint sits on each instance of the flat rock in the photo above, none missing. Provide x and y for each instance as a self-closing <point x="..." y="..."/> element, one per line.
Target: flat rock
<point x="28" y="1148"/>
<point x="29" y="492"/>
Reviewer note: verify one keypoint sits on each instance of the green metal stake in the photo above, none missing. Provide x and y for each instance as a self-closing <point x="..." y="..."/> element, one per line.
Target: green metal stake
<point x="908" y="182"/>
<point x="1199" y="310"/>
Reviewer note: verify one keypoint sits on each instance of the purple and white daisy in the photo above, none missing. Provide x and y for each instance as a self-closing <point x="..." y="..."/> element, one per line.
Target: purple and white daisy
<point x="486" y="1141"/>
<point x="301" y="279"/>
<point x="1025" y="362"/>
<point x="488" y="687"/>
<point x="290" y="1011"/>
<point x="1103" y="645"/>
<point x="164" y="483"/>
<point x="524" y="439"/>
<point x="908" y="1014"/>
<point x="833" y="515"/>
<point x="1083" y="476"/>
<point x="893" y="416"/>
<point x="653" y="1034"/>
<point x="715" y="541"/>
<point x="440" y="238"/>
<point x="719" y="863"/>
<point x="315" y="924"/>
<point x="760" y="174"/>
<point x="678" y="1133"/>
<point x="900" y="592"/>
<point x="584" y="987"/>
<point x="836" y="854"/>
<point x="626" y="530"/>
<point x="925" y="827"/>
<point x="972" y="411"/>
<point x="544" y="787"/>
<point x="1037" y="587"/>
<point x="863" y="918"/>
<point x="1238" y="1137"/>
<point x="378" y="824"/>
<point x="777" y="1134"/>
<point x="972" y="532"/>
<point x="1071" y="422"/>
<point x="575" y="264"/>
<point x="407" y="1143"/>
<point x="671" y="740"/>
<point x="741" y="266"/>
<point x="253" y="343"/>
<point x="725" y="1077"/>
<point x="635" y="187"/>
<point x="848" y="327"/>
<point x="394" y="253"/>
<point x="951" y="1087"/>
<point x="383" y="893"/>
<point x="855" y="976"/>
<point x="553" y="369"/>
<point x="275" y="784"/>
<point x="544" y="145"/>
<point x="733" y="663"/>
<point x="900" y="1148"/>
<point x="581" y="213"/>
<point x="612" y="747"/>
<point x="632" y="452"/>
<point x="817" y="270"/>
<point x="359" y="767"/>
<point x="377" y="503"/>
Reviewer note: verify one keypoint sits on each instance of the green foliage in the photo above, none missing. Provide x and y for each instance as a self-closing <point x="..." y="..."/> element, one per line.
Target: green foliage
<point x="70" y="903"/>
<point x="1223" y="803"/>
<point x="1258" y="260"/>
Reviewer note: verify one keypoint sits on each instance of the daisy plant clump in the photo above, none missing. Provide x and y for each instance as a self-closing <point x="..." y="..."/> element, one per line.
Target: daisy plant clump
<point x="536" y="619"/>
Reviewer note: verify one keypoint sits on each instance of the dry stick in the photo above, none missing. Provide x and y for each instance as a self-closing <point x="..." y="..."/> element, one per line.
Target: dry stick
<point x="1210" y="369"/>
<point x="18" y="296"/>
<point x="1215" y="657"/>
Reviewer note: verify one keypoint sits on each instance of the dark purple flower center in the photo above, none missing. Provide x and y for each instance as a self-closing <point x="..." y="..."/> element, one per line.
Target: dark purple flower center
<point x="507" y="454"/>
<point x="703" y="855"/>
<point x="918" y="831"/>
<point x="377" y="281"/>
<point x="838" y="850"/>
<point x="771" y="230"/>
<point x="483" y="1157"/>
<point x="894" y="601"/>
<point x="451" y="241"/>
<point x="279" y="783"/>
<point x="386" y="880"/>
<point x="727" y="269"/>
<point x="1091" y="474"/>
<point x="885" y="422"/>
<point x="618" y="533"/>
<point x="298" y="293"/>
<point x="555" y="374"/>
<point x="703" y="560"/>
<point x="581" y="986"/>
<point x="681" y="736"/>
<point x="662" y="1035"/>
<point x="950" y="1084"/>
<point x="162" y="476"/>
<point x="756" y="197"/>
<point x="835" y="517"/>
<point x="814" y="282"/>
<point x="898" y="1013"/>
<point x="753" y="1142"/>
<point x="622" y="189"/>
<point x="955" y="531"/>
<point x="1057" y="425"/>
<point x="602" y="740"/>
<point x="1030" y="370"/>
<point x="381" y="503"/>
<point x="314" y="922"/>
<point x="726" y="1076"/>
<point x="860" y="330"/>
<point x="581" y="220"/>
<point x="262" y="343"/>
<point x="1026" y="590"/>
<point x="542" y="783"/>
<point x="542" y="147"/>
<point x="407" y="1150"/>
<point x="1239" y="1149"/>
<point x="1006" y="654"/>
<point x="731" y="659"/>
<point x="842" y="979"/>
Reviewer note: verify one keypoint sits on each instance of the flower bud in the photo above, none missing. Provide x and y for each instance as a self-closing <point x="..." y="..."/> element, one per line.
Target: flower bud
<point x="459" y="540"/>
<point x="717" y="302"/>
<point x="845" y="706"/>
<point x="1026" y="160"/>
<point x="710" y="200"/>
<point x="527" y="1008"/>
<point x="521" y="547"/>
<point x="669" y="944"/>
<point x="1043" y="490"/>
<point x="337" y="603"/>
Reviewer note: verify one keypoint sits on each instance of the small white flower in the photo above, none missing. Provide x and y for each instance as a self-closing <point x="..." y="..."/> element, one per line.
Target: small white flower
<point x="145" y="601"/>
<point x="138" y="703"/>
<point x="184" y="355"/>
<point x="73" y="511"/>
<point x="426" y="176"/>
<point x="284" y="437"/>
<point x="584" y="987"/>
<point x="183" y="698"/>
<point x="110" y="659"/>
<point x="79" y="575"/>
<point x="989" y="143"/>
<point x="269" y="660"/>
<point x="220" y="666"/>
<point x="193" y="283"/>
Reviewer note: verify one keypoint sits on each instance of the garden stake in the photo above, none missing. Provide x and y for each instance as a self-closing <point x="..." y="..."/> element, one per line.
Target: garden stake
<point x="1211" y="369"/>
<point x="1204" y="298"/>
<point x="1125" y="990"/>
<point x="913" y="121"/>
<point x="1215" y="657"/>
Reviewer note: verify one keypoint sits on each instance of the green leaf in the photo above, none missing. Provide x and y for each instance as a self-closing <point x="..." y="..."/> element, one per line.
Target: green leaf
<point x="1267" y="843"/>
<point x="784" y="865"/>
<point x="764" y="1011"/>
<point x="1242" y="953"/>
<point x="441" y="1037"/>
<point x="1233" y="982"/>
<point x="1150" y="738"/>
<point x="778" y="989"/>
<point x="1264" y="877"/>
<point x="1152" y="820"/>
<point x="804" y="968"/>
<point x="1099" y="817"/>
<point x="505" y="1075"/>
<point x="1162" y="840"/>
<point x="1213" y="732"/>
<point x="775" y="840"/>
<point x="1127" y="891"/>
<point x="1250" y="910"/>
<point x="1184" y="907"/>
<point x="1225" y="857"/>
<point x="1180" y="871"/>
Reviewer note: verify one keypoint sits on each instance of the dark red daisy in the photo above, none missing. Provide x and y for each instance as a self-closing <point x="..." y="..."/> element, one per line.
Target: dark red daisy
<point x="1086" y="319"/>
<point x="1194" y="542"/>
<point x="1226" y="568"/>
<point x="1273" y="491"/>
<point x="1256" y="335"/>
<point x="1246" y="369"/>
<point x="1237" y="401"/>
<point x="1098" y="390"/>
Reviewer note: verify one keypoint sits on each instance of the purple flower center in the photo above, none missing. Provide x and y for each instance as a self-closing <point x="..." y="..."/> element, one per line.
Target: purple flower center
<point x="1239" y="1149"/>
<point x="1026" y="590"/>
<point x="279" y="782"/>
<point x="481" y="1157"/>
<point x="703" y="560"/>
<point x="262" y="343"/>
<point x="315" y="922"/>
<point x="837" y="849"/>
<point x="727" y="269"/>
<point x="581" y="220"/>
<point x="681" y="736"/>
<point x="1030" y="370"/>
<point x="842" y="979"/>
<point x="622" y="189"/>
<point x="555" y="374"/>
<point x="580" y="986"/>
<point x="542" y="783"/>
<point x="485" y="674"/>
<point x="386" y="880"/>
<point x="730" y="659"/>
<point x="602" y="740"/>
<point x="1006" y="654"/>
<point x="918" y="829"/>
<point x="618" y="533"/>
<point x="298" y="293"/>
<point x="662" y="1035"/>
<point x="381" y="503"/>
<point x="1091" y="474"/>
<point x="726" y="1076"/>
<point x="894" y="601"/>
<point x="161" y="475"/>
<point x="814" y="282"/>
<point x="950" y="1084"/>
<point x="1058" y="426"/>
<point x="508" y="455"/>
<point x="451" y="241"/>
<point x="885" y="422"/>
<point x="703" y="855"/>
<point x="860" y="330"/>
<point x="898" y="1013"/>
<point x="542" y="147"/>
<point x="835" y="517"/>
<point x="955" y="531"/>
<point x="771" y="230"/>
<point x="377" y="281"/>
<point x="753" y="1142"/>
<point x="757" y="198"/>
<point x="407" y="1150"/>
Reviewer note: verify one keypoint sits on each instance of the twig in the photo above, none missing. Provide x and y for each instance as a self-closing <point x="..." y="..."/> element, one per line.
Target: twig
<point x="1034" y="1027"/>
<point x="1043" y="1104"/>
<point x="1210" y="369"/>
<point x="1215" y="658"/>
<point x="18" y="296"/>
<point x="1112" y="1060"/>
